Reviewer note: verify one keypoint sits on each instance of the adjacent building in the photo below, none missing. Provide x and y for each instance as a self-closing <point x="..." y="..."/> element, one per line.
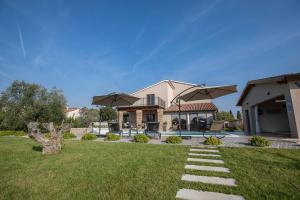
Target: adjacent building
<point x="272" y="105"/>
<point x="72" y="112"/>
<point x="155" y="105"/>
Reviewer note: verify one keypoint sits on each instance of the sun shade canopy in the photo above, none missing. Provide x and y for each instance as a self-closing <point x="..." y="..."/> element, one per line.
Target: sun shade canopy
<point x="114" y="99"/>
<point x="209" y="93"/>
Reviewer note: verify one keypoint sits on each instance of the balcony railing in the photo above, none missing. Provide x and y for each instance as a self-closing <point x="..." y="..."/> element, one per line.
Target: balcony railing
<point x="145" y="102"/>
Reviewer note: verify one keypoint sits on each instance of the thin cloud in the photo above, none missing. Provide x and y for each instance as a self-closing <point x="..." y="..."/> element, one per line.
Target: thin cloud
<point x="182" y="28"/>
<point x="228" y="57"/>
<point x="21" y="40"/>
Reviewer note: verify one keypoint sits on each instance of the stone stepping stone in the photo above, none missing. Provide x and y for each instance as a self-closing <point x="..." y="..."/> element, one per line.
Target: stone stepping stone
<point x="189" y="194"/>
<point x="205" y="160"/>
<point x="205" y="150"/>
<point x="203" y="147"/>
<point x="209" y="180"/>
<point x="207" y="168"/>
<point x="204" y="154"/>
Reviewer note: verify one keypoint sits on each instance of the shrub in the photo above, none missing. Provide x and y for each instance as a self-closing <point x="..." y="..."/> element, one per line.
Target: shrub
<point x="259" y="141"/>
<point x="47" y="135"/>
<point x="15" y="133"/>
<point x="213" y="141"/>
<point x="89" y="136"/>
<point x="141" y="138"/>
<point x="68" y="135"/>
<point x="174" y="140"/>
<point x="112" y="137"/>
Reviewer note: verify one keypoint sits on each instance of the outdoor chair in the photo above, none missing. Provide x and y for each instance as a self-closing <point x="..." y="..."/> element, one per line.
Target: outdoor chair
<point x="113" y="127"/>
<point x="152" y="130"/>
<point x="216" y="127"/>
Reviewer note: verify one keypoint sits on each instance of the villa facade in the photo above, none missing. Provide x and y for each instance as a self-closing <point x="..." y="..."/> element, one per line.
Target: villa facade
<point x="155" y="105"/>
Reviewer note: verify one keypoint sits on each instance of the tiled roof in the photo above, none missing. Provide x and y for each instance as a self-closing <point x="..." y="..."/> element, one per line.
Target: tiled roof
<point x="193" y="107"/>
<point x="70" y="109"/>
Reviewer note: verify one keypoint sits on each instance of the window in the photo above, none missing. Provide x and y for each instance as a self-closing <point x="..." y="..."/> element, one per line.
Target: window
<point x="150" y="117"/>
<point x="150" y="99"/>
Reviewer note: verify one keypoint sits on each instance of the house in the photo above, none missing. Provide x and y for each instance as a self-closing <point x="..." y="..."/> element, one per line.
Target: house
<point x="272" y="105"/>
<point x="155" y="105"/>
<point x="72" y="112"/>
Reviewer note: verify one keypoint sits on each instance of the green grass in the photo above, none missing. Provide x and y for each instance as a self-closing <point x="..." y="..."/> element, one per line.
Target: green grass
<point x="90" y="170"/>
<point x="261" y="173"/>
<point x="101" y="170"/>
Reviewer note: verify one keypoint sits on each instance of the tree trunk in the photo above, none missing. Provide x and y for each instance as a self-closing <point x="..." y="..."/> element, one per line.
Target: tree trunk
<point x="52" y="145"/>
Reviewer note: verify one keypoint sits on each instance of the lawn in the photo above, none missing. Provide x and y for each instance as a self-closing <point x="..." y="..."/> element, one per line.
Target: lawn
<point x="90" y="170"/>
<point x="105" y="170"/>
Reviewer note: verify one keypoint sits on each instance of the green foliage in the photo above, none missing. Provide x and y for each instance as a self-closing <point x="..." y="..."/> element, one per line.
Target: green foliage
<point x="87" y="117"/>
<point x="225" y="116"/>
<point x="108" y="114"/>
<point x="141" y="138"/>
<point x="174" y="140"/>
<point x="68" y="135"/>
<point x="230" y="129"/>
<point x="259" y="141"/>
<point x="47" y="135"/>
<point x="213" y="141"/>
<point x="15" y="133"/>
<point x="23" y="102"/>
<point x="89" y="136"/>
<point x="112" y="137"/>
<point x="238" y="115"/>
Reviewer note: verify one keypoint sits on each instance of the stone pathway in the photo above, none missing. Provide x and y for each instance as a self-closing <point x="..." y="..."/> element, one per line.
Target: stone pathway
<point x="204" y="154"/>
<point x="189" y="194"/>
<point x="207" y="168"/>
<point x="205" y="150"/>
<point x="205" y="160"/>
<point x="201" y="195"/>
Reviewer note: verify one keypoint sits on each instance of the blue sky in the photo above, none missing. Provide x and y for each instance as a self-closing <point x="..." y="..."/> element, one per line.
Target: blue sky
<point x="90" y="48"/>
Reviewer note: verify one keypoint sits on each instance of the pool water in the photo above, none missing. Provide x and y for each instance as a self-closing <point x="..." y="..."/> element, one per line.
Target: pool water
<point x="200" y="134"/>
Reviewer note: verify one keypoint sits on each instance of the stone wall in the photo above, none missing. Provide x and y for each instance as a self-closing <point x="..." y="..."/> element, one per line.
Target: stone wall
<point x="160" y="117"/>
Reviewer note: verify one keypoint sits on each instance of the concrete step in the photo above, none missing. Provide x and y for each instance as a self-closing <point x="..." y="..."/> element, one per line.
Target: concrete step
<point x="205" y="150"/>
<point x="189" y="194"/>
<point x="209" y="180"/>
<point x="207" y="168"/>
<point x="205" y="160"/>
<point x="204" y="154"/>
<point x="204" y="147"/>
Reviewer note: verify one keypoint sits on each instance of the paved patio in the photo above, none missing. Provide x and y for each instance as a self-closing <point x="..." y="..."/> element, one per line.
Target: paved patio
<point x="241" y="141"/>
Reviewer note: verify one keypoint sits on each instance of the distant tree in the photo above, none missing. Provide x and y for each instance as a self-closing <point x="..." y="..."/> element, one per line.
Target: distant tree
<point x="224" y="115"/>
<point x="238" y="115"/>
<point x="108" y="114"/>
<point x="23" y="102"/>
<point x="87" y="117"/>
<point x="230" y="112"/>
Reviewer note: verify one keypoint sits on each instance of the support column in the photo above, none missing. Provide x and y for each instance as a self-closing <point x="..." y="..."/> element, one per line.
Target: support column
<point x="188" y="121"/>
<point x="257" y="126"/>
<point x="139" y="118"/>
<point x="120" y="118"/>
<point x="160" y="118"/>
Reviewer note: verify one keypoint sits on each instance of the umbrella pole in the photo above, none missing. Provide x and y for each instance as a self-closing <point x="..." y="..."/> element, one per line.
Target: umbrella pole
<point x="100" y="116"/>
<point x="179" y="116"/>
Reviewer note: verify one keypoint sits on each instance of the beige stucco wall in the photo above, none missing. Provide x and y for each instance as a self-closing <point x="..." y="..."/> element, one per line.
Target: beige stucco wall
<point x="259" y="94"/>
<point x="166" y="92"/>
<point x="294" y="113"/>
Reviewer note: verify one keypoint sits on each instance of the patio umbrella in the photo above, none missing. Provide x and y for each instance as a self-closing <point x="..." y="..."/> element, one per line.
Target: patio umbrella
<point x="113" y="99"/>
<point x="208" y="93"/>
<point x="200" y="93"/>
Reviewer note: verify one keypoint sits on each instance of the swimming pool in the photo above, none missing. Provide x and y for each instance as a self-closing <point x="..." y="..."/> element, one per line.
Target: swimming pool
<point x="200" y="134"/>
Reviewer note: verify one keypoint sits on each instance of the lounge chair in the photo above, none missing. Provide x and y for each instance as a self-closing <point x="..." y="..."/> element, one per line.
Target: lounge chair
<point x="152" y="130"/>
<point x="113" y="127"/>
<point x="216" y="127"/>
